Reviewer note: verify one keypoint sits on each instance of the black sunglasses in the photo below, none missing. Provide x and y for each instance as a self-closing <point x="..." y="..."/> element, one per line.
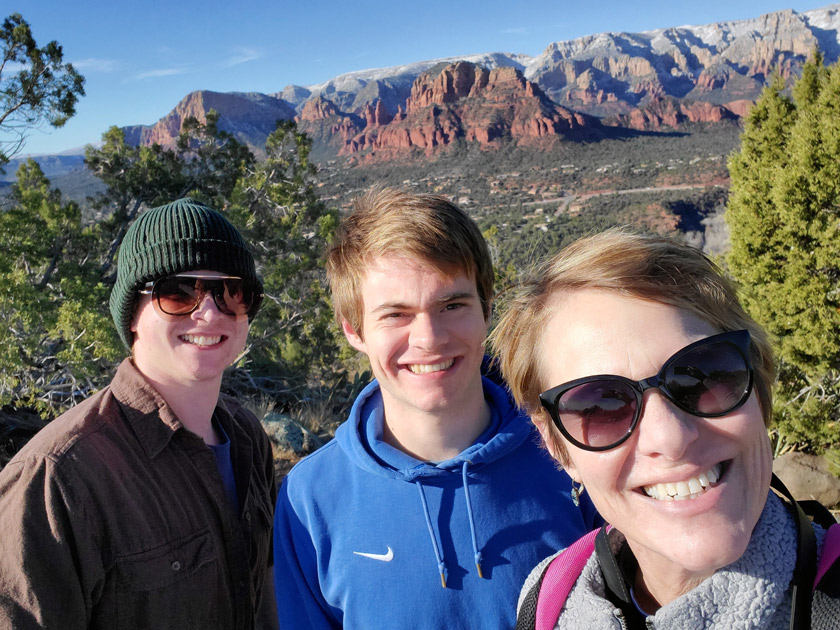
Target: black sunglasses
<point x="179" y="295"/>
<point x="708" y="378"/>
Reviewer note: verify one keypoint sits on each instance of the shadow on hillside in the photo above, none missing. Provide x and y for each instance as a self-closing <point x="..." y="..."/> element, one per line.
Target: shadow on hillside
<point x="625" y="133"/>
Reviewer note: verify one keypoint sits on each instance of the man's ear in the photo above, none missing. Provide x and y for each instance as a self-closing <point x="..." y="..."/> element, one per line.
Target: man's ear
<point x="353" y="338"/>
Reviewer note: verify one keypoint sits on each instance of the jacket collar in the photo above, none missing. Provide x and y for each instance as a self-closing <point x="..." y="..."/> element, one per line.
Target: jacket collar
<point x="148" y="414"/>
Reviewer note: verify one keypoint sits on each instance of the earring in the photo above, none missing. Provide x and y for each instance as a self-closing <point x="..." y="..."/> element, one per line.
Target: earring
<point x="576" y="492"/>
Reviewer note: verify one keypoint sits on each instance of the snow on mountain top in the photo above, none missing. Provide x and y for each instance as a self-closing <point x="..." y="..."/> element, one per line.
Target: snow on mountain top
<point x="350" y="80"/>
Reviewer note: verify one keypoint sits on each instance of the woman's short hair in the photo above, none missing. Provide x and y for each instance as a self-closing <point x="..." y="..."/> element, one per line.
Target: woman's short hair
<point x="647" y="267"/>
<point x="392" y="222"/>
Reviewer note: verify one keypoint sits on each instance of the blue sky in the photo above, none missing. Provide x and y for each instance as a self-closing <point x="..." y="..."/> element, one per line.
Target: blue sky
<point x="140" y="58"/>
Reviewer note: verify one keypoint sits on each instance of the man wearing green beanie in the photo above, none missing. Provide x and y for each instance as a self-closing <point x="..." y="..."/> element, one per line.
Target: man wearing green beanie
<point x="149" y="505"/>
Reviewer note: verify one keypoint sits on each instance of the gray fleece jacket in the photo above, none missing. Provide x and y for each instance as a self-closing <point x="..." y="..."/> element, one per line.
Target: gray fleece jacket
<point x="752" y="593"/>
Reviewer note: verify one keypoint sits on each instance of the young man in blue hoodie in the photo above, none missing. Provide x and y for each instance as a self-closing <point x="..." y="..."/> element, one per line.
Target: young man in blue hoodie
<point x="434" y="500"/>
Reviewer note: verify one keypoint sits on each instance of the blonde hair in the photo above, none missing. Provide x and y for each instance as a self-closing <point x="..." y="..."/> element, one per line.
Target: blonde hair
<point x="646" y="267"/>
<point x="393" y="222"/>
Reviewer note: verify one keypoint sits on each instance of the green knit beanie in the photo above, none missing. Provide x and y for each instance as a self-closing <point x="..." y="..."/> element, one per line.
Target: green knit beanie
<point x="181" y="236"/>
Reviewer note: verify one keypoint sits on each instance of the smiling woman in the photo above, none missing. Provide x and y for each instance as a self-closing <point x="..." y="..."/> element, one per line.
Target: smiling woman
<point x="651" y="385"/>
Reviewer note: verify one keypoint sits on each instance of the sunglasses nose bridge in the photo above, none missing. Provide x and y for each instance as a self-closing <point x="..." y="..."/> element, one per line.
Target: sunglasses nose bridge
<point x="648" y="383"/>
<point x="644" y="385"/>
<point x="203" y="300"/>
<point x="651" y="382"/>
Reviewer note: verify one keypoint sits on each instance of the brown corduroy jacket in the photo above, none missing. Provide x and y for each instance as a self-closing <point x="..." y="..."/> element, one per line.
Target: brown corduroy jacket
<point x="115" y="516"/>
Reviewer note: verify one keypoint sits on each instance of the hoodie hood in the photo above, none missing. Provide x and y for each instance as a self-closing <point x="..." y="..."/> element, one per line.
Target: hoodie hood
<point x="360" y="438"/>
<point x="359" y="524"/>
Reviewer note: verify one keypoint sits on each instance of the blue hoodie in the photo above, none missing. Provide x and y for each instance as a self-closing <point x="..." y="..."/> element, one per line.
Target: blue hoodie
<point x="367" y="537"/>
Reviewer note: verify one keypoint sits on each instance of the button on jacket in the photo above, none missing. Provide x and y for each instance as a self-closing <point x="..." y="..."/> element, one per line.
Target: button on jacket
<point x="116" y="516"/>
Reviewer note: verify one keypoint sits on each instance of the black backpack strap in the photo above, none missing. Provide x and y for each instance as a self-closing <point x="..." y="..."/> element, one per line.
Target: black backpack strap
<point x="806" y="561"/>
<point x="526" y="619"/>
<point x="613" y="578"/>
<point x="817" y="512"/>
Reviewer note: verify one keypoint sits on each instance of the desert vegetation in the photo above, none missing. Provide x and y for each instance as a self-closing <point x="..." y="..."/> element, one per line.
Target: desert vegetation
<point x="770" y="187"/>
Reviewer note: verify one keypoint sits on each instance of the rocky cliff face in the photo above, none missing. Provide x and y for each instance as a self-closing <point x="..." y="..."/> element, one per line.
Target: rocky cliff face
<point x="664" y="111"/>
<point x="250" y="117"/>
<point x="326" y="125"/>
<point x="653" y="80"/>
<point x="458" y="101"/>
<point x="627" y="73"/>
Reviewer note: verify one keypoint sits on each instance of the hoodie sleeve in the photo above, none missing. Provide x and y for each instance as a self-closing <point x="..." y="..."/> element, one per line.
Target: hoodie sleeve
<point x="300" y="602"/>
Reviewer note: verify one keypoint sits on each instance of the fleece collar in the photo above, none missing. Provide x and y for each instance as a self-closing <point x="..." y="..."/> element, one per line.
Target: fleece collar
<point x="753" y="593"/>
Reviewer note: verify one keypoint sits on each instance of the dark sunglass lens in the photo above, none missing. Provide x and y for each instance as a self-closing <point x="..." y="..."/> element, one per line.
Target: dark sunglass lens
<point x="181" y="295"/>
<point x="233" y="296"/>
<point x="176" y="296"/>
<point x="710" y="380"/>
<point x="599" y="413"/>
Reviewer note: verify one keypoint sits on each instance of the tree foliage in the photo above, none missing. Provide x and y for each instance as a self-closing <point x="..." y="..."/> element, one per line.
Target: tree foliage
<point x="57" y="337"/>
<point x="56" y="273"/>
<point x="277" y="208"/>
<point x="205" y="163"/>
<point x="36" y="86"/>
<point x="784" y="216"/>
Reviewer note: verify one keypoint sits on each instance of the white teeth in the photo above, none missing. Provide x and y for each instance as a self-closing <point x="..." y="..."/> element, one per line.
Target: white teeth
<point x="419" y="368"/>
<point x="201" y="340"/>
<point x="714" y="474"/>
<point x="686" y="489"/>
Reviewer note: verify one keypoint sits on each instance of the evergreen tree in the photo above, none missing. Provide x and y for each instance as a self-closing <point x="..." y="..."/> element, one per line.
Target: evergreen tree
<point x="213" y="160"/>
<point x="205" y="163"/>
<point x="56" y="337"/>
<point x="294" y="343"/>
<point x="36" y="86"/>
<point x="783" y="216"/>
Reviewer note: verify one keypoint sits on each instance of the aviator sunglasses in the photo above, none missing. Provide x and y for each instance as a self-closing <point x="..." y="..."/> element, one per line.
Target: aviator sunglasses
<point x="708" y="378"/>
<point x="179" y="295"/>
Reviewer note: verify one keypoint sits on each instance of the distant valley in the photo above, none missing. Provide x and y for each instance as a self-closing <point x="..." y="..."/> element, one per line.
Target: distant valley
<point x="579" y="89"/>
<point x="613" y="127"/>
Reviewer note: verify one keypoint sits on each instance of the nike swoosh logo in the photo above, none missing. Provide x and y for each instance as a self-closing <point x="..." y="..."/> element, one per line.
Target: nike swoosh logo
<point x="383" y="557"/>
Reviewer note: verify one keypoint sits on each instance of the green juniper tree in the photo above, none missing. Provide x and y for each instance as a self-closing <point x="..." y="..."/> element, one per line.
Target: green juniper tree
<point x="784" y="216"/>
<point x="276" y="207"/>
<point x="36" y="230"/>
<point x="56" y="336"/>
<point x="205" y="163"/>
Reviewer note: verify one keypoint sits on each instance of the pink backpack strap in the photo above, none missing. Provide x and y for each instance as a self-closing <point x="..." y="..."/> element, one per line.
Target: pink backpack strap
<point x="559" y="577"/>
<point x="830" y="553"/>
